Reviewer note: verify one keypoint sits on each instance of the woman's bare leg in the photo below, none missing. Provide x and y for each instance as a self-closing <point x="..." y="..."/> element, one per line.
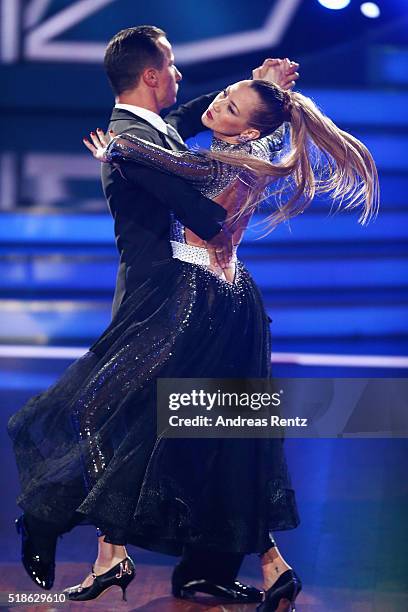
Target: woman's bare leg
<point x="108" y="556"/>
<point x="273" y="565"/>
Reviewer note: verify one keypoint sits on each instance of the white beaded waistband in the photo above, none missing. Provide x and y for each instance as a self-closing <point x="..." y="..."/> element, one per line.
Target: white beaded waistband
<point x="194" y="254"/>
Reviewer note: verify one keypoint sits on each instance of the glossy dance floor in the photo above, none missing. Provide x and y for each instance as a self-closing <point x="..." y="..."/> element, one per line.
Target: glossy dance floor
<point x="150" y="592"/>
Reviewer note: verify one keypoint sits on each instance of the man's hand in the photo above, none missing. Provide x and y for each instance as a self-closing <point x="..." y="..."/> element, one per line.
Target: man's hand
<point x="220" y="248"/>
<point x="283" y="72"/>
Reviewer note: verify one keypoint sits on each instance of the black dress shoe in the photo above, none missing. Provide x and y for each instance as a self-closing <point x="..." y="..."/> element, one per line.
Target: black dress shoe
<point x="120" y="575"/>
<point x="286" y="588"/>
<point x="184" y="587"/>
<point x="37" y="552"/>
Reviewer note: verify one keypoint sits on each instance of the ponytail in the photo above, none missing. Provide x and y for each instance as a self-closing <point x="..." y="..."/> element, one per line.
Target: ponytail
<point x="349" y="177"/>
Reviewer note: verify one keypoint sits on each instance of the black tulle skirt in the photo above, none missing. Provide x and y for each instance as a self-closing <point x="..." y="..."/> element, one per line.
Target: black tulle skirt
<point x="87" y="449"/>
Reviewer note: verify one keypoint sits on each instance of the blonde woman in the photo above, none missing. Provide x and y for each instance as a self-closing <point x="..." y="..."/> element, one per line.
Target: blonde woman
<point x="192" y="318"/>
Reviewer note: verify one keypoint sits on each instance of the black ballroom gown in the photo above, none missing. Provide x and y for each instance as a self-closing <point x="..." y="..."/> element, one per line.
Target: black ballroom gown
<point x="87" y="450"/>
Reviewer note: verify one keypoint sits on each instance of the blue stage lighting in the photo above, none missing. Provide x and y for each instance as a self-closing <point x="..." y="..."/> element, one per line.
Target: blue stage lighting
<point x="370" y="9"/>
<point x="335" y="5"/>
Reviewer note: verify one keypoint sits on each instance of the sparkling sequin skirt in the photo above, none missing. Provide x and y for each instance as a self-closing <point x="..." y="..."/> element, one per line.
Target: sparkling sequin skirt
<point x="87" y="450"/>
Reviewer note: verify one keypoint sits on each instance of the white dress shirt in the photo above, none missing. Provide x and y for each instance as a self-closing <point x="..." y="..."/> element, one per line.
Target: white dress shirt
<point x="153" y="118"/>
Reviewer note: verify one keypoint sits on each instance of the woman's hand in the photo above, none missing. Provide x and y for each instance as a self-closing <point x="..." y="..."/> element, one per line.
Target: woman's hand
<point x="99" y="144"/>
<point x="283" y="72"/>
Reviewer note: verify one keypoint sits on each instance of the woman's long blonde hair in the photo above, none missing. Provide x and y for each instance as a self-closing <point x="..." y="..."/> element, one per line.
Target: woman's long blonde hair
<point x="349" y="177"/>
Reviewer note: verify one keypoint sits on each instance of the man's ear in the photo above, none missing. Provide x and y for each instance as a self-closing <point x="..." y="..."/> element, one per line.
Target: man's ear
<point x="250" y="134"/>
<point x="150" y="77"/>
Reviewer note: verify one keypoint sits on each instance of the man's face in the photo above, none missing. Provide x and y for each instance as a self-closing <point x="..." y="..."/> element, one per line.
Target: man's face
<point x="169" y="76"/>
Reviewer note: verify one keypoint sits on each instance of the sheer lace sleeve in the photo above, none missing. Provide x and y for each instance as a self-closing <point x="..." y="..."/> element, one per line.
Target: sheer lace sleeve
<point x="189" y="165"/>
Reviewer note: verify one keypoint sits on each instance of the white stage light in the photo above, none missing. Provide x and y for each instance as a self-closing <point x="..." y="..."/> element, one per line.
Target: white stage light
<point x="335" y="5"/>
<point x="370" y="9"/>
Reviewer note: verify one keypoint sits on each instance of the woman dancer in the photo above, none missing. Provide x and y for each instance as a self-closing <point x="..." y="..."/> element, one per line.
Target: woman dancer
<point x="192" y="319"/>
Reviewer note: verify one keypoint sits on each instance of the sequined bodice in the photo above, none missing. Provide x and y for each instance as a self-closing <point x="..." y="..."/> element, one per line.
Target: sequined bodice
<point x="227" y="174"/>
<point x="209" y="176"/>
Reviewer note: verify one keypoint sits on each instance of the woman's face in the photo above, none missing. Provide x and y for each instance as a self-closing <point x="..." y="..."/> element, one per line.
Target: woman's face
<point x="228" y="116"/>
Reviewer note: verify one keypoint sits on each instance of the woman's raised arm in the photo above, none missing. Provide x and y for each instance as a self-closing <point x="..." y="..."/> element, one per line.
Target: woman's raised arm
<point x="192" y="166"/>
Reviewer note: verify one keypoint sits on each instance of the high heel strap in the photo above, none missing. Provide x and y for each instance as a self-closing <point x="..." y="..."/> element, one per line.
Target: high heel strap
<point x="120" y="575"/>
<point x="288" y="586"/>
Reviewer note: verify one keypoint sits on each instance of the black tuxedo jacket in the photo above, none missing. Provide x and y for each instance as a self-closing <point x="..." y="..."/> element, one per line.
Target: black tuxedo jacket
<point x="140" y="199"/>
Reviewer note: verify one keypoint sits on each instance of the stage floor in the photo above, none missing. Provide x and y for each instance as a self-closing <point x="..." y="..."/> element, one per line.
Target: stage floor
<point x="150" y="592"/>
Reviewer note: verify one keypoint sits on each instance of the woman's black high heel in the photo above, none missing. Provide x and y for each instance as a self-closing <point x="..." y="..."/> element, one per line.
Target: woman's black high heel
<point x="120" y="575"/>
<point x="287" y="587"/>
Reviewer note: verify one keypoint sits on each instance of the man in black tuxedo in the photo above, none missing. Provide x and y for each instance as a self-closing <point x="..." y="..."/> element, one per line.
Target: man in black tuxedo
<point x="140" y="66"/>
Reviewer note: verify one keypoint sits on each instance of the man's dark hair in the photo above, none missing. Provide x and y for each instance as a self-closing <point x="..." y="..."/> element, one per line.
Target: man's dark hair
<point x="129" y="53"/>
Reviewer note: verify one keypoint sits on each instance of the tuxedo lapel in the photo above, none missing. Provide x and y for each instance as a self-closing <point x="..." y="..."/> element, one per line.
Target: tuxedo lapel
<point x="175" y="136"/>
<point x="120" y="114"/>
<point x="173" y="144"/>
<point x="171" y="141"/>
